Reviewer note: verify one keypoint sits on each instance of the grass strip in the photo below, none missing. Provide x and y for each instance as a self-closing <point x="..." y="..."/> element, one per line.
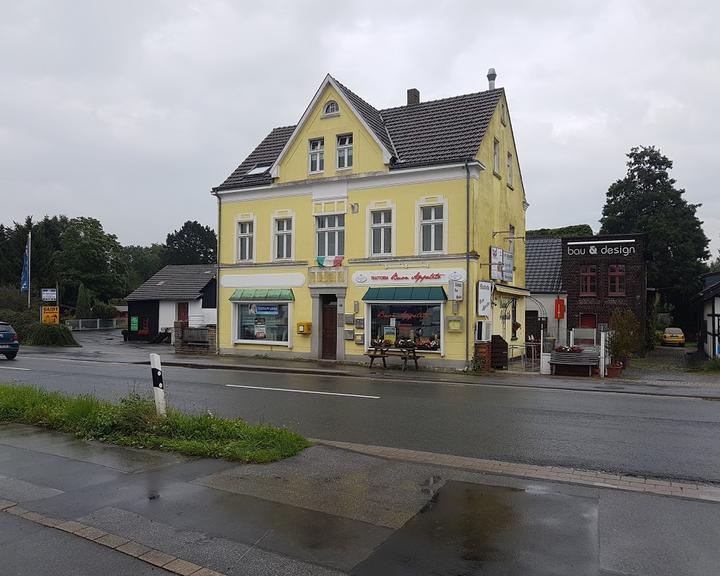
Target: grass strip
<point x="133" y="422"/>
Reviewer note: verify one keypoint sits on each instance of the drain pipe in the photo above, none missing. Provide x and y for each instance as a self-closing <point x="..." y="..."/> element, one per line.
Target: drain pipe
<point x="217" y="276"/>
<point x="467" y="266"/>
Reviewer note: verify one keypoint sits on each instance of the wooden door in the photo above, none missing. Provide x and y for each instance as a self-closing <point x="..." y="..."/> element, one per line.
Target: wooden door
<point x="328" y="337"/>
<point x="182" y="311"/>
<point x="588" y="321"/>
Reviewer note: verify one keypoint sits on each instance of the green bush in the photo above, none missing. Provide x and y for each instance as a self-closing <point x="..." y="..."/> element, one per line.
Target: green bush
<point x="625" y="339"/>
<point x="50" y="335"/>
<point x="134" y="422"/>
<point x="104" y="311"/>
<point x="22" y="321"/>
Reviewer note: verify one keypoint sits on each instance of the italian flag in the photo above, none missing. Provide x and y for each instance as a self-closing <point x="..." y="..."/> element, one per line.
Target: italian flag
<point x="329" y="261"/>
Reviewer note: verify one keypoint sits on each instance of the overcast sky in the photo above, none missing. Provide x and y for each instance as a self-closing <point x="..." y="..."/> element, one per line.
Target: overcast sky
<point x="130" y="111"/>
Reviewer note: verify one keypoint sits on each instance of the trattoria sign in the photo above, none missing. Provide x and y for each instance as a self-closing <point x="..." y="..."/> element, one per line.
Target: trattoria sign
<point x="621" y="248"/>
<point x="408" y="277"/>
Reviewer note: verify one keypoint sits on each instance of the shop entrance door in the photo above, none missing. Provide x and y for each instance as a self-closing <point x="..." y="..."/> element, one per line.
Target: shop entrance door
<point x="328" y="337"/>
<point x="182" y="311"/>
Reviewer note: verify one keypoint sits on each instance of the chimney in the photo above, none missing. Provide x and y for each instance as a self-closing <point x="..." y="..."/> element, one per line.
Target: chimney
<point x="413" y="96"/>
<point x="491" y="78"/>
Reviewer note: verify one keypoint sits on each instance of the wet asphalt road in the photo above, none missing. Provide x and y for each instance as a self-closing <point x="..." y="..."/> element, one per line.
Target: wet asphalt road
<point x="631" y="434"/>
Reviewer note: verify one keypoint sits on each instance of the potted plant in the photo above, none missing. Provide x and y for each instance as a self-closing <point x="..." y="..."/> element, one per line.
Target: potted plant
<point x="624" y="338"/>
<point x="614" y="370"/>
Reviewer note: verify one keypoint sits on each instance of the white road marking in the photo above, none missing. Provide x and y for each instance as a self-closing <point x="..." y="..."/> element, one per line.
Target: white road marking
<point x="303" y="391"/>
<point x="14" y="368"/>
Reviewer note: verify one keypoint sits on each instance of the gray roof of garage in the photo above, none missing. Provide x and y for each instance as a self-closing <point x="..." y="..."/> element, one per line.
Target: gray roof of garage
<point x="176" y="282"/>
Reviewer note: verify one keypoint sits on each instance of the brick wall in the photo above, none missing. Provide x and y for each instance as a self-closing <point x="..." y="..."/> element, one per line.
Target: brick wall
<point x="604" y="251"/>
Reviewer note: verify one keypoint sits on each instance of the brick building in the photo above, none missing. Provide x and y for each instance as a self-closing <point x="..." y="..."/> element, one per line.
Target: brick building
<point x="602" y="274"/>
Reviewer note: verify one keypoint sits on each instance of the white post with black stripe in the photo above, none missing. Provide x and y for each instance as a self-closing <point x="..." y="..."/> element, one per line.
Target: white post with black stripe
<point x="158" y="385"/>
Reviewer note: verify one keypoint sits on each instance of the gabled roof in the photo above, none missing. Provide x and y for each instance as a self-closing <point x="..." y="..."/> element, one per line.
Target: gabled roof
<point x="424" y="134"/>
<point x="543" y="265"/>
<point x="176" y="282"/>
<point x="708" y="292"/>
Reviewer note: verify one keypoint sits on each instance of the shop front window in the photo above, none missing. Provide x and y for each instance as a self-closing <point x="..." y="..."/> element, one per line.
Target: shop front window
<point x="266" y="322"/>
<point x="406" y="325"/>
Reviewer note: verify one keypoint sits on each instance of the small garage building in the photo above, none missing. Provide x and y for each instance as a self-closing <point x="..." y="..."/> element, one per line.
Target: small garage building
<point x="177" y="292"/>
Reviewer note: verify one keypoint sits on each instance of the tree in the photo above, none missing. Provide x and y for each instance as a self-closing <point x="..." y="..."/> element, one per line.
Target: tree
<point x="564" y="232"/>
<point x="143" y="262"/>
<point x="83" y="306"/>
<point x="646" y="200"/>
<point x="91" y="257"/>
<point x="192" y="244"/>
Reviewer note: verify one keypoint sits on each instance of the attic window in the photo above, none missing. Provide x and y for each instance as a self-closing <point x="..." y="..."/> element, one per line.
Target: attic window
<point x="331" y="108"/>
<point x="259" y="169"/>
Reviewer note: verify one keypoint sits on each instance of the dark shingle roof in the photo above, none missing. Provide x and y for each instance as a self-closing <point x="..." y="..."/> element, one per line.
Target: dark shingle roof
<point x="266" y="153"/>
<point x="435" y="132"/>
<point x="543" y="265"/>
<point x="440" y="131"/>
<point x="181" y="282"/>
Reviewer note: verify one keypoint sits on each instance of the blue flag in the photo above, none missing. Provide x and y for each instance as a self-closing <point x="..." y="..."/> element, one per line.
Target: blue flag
<point x="25" y="278"/>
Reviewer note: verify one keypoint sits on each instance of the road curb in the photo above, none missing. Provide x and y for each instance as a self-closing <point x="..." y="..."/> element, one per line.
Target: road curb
<point x="590" y="478"/>
<point x="131" y="548"/>
<point x="252" y="368"/>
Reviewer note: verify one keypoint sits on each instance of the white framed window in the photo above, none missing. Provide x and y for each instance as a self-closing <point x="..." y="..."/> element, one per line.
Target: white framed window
<point x="381" y="232"/>
<point x="509" y="169"/>
<point x="316" y="153"/>
<point x="330" y="235"/>
<point x="283" y="238"/>
<point x="344" y="151"/>
<point x="331" y="108"/>
<point x="496" y="157"/>
<point x="432" y="228"/>
<point x="245" y="241"/>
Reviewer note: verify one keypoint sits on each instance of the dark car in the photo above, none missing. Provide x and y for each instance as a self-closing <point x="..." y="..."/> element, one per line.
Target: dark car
<point x="9" y="344"/>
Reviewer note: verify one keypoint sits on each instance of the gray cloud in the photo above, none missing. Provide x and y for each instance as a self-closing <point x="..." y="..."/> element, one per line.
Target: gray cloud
<point x="131" y="112"/>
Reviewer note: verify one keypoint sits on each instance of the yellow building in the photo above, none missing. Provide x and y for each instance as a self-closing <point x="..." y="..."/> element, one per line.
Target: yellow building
<point x="358" y="226"/>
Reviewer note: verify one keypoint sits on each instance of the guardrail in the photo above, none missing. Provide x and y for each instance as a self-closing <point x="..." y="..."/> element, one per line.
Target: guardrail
<point x="96" y="323"/>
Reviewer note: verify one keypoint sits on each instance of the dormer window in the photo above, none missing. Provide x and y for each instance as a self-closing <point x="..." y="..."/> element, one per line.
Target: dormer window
<point x="259" y="169"/>
<point x="331" y="108"/>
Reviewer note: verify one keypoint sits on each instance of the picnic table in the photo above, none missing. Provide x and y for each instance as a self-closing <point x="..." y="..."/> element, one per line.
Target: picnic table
<point x="405" y="354"/>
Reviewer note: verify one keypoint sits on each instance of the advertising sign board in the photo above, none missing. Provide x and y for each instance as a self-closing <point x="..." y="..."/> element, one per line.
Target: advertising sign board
<point x="49" y="294"/>
<point x="496" y="263"/>
<point x="484" y="298"/>
<point x="51" y="315"/>
<point x="508" y="266"/>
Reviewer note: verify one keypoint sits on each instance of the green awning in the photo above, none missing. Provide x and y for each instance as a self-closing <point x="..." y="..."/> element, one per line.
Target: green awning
<point x="262" y="295"/>
<point x="408" y="294"/>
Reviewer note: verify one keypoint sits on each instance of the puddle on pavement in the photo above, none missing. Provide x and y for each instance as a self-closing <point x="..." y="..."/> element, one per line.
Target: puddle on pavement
<point x="492" y="530"/>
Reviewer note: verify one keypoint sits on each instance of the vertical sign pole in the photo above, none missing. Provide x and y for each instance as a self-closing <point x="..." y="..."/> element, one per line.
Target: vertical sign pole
<point x="158" y="385"/>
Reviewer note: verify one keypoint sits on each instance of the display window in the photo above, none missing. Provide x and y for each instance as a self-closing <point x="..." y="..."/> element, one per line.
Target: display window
<point x="406" y="325"/>
<point x="265" y="322"/>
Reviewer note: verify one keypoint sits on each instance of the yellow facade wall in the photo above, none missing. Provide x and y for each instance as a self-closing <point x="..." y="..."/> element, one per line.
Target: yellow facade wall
<point x="367" y="155"/>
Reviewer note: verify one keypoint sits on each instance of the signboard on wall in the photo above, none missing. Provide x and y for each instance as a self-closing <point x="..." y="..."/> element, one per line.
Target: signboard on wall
<point x="484" y="298"/>
<point x="559" y="308"/>
<point x="508" y="266"/>
<point x="457" y="290"/>
<point x="408" y="277"/>
<point x="496" y="263"/>
<point x="615" y="248"/>
<point x="134" y="323"/>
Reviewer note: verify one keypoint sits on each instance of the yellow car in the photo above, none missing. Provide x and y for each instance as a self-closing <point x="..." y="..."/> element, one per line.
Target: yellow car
<point x="673" y="337"/>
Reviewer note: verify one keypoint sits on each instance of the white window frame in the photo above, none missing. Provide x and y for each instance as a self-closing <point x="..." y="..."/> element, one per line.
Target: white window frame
<point x="496" y="157"/>
<point x="344" y="147"/>
<point x="336" y="112"/>
<point x="372" y="226"/>
<point x="318" y="154"/>
<point x="444" y="221"/>
<point x="275" y="233"/>
<point x="252" y="235"/>
<point x="509" y="169"/>
<point x="237" y="340"/>
<point x="330" y="229"/>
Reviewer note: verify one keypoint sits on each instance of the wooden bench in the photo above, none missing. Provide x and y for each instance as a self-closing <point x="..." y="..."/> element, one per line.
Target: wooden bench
<point x="589" y="359"/>
<point x="404" y="354"/>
